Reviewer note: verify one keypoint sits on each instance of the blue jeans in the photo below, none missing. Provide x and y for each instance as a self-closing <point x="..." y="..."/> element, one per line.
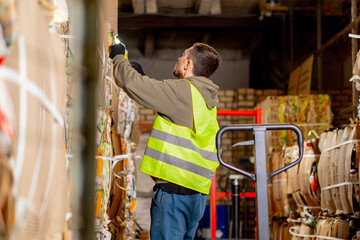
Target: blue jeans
<point x="175" y="216"/>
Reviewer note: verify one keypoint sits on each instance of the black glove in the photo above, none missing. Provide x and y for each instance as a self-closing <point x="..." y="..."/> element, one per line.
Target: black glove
<point x="137" y="66"/>
<point x="116" y="49"/>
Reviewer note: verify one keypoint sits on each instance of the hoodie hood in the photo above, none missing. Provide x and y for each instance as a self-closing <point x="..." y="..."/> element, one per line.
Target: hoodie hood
<point x="207" y="89"/>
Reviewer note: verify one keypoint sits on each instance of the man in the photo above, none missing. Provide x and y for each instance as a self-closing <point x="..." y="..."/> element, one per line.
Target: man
<point x="181" y="151"/>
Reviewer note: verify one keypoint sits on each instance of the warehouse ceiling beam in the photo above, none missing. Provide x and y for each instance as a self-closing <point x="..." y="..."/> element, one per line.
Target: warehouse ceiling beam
<point x="193" y="21"/>
<point x="341" y="33"/>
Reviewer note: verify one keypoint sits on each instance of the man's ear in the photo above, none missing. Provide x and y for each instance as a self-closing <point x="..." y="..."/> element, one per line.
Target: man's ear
<point x="189" y="64"/>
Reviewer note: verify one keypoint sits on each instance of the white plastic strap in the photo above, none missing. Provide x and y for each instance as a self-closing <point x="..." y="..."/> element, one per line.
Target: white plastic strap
<point x="101" y="56"/>
<point x="38" y="164"/>
<point x="354" y="35"/>
<point x="21" y="79"/>
<point x="114" y="158"/>
<point x="122" y="188"/>
<point x="313" y="124"/>
<point x="338" y="185"/>
<point x="66" y="36"/>
<point x="293" y="229"/>
<point x="9" y="74"/>
<point x="311" y="155"/>
<point x="309" y="207"/>
<point x="103" y="60"/>
<point x="50" y="173"/>
<point x="51" y="170"/>
<point x="112" y="81"/>
<point x="341" y="144"/>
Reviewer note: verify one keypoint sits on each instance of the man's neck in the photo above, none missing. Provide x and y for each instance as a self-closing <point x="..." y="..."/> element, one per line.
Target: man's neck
<point x="186" y="75"/>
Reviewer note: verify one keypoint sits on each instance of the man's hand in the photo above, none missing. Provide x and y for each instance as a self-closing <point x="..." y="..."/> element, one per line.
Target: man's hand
<point x="117" y="49"/>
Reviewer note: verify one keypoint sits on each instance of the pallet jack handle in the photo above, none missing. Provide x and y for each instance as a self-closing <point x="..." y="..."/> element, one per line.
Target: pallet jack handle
<point x="261" y="176"/>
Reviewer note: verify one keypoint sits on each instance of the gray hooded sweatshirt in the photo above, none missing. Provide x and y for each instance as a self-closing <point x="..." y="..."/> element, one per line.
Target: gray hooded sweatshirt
<point x="171" y="97"/>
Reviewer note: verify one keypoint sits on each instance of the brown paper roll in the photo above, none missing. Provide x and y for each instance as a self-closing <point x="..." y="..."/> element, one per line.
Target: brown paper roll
<point x="343" y="229"/>
<point x="350" y="177"/>
<point x="343" y="156"/>
<point x="304" y="177"/>
<point x="334" y="166"/>
<point x="324" y="173"/>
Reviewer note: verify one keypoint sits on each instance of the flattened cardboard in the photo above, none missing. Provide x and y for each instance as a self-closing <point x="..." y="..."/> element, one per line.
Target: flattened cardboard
<point x="44" y="140"/>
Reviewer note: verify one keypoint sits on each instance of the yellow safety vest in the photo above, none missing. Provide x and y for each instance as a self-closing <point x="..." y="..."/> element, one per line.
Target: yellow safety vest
<point x="180" y="155"/>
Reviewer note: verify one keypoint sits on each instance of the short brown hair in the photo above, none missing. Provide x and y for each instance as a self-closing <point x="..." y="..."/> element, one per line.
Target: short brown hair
<point x="205" y="58"/>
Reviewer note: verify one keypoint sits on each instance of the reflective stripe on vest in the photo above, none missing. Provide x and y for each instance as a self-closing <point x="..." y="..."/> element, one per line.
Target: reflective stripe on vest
<point x="180" y="155"/>
<point x="185" y="143"/>
<point x="177" y="162"/>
